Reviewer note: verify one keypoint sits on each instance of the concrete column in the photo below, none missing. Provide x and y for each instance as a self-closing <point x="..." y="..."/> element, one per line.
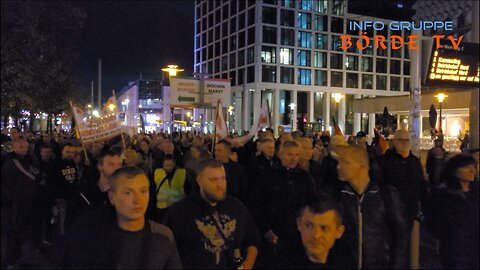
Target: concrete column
<point x="415" y="96"/>
<point x="357" y="119"/>
<point x="311" y="107"/>
<point x="371" y="124"/>
<point x="276" y="111"/>
<point x="245" y="109"/>
<point x="326" y="108"/>
<point x="474" y="103"/>
<point x="257" y="104"/>
<point x="294" y="114"/>
<point x="237" y="113"/>
<point x="342" y="106"/>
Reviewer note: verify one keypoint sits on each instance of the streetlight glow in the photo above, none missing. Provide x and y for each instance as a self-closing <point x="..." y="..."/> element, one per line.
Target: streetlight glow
<point x="441" y="97"/>
<point x="292" y="106"/>
<point x="95" y="113"/>
<point x="337" y="97"/>
<point x="111" y="107"/>
<point x="172" y="70"/>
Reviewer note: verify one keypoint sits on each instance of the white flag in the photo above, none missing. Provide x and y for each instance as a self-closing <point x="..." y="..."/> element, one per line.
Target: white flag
<point x="221" y="131"/>
<point x="263" y="118"/>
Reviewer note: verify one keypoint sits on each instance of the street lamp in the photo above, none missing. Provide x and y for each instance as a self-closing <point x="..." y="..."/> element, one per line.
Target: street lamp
<point x="172" y="70"/>
<point x="292" y="107"/>
<point x="440" y="97"/>
<point x="230" y="113"/>
<point x="337" y="97"/>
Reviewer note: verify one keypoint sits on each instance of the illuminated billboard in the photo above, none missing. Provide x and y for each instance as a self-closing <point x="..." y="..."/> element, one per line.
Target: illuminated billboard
<point x="454" y="67"/>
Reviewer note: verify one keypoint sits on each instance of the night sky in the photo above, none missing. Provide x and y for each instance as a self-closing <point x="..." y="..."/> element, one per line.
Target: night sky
<point x="133" y="37"/>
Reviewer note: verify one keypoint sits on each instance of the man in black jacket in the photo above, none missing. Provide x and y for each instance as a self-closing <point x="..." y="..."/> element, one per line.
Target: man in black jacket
<point x="374" y="216"/>
<point x="278" y="194"/>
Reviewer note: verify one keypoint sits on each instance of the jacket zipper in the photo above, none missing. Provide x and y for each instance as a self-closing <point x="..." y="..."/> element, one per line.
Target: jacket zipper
<point x="360" y="232"/>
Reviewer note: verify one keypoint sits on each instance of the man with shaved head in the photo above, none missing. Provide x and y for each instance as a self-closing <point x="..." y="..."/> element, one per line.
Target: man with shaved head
<point x="374" y="216"/>
<point x="20" y="192"/>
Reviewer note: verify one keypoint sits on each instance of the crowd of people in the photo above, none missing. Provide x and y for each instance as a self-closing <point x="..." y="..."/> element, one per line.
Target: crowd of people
<point x="187" y="200"/>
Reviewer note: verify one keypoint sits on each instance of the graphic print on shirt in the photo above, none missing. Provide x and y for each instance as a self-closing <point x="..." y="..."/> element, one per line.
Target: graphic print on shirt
<point x="69" y="174"/>
<point x="212" y="240"/>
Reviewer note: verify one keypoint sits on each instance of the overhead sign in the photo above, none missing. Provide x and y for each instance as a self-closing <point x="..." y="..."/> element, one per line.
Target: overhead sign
<point x="454" y="67"/>
<point x="186" y="92"/>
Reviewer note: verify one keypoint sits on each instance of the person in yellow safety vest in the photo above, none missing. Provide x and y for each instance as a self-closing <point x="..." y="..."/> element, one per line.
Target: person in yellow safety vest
<point x="170" y="184"/>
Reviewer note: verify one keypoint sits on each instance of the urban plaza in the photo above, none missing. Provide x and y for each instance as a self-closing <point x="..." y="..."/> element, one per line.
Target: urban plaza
<point x="240" y="134"/>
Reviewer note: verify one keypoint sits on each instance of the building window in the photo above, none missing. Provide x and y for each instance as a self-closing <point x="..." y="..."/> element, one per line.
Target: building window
<point x="406" y="52"/>
<point x="241" y="58"/>
<point x="304" y="76"/>
<point x="351" y="62"/>
<point x="303" y="58"/>
<point x="352" y="80"/>
<point x="286" y="75"/>
<point x="369" y="49"/>
<point x="304" y="20"/>
<point x="287" y="3"/>
<point x="251" y="35"/>
<point x="225" y="28"/>
<point x="336" y="44"/>
<point x="269" y="15"/>
<point x="320" y="59"/>
<point x="233" y="43"/>
<point x="355" y="31"/>
<point x="353" y="48"/>
<point x="304" y="39"/>
<point x="406" y="68"/>
<point x="337" y="79"/>
<point x="233" y="7"/>
<point x="217" y="49"/>
<point x="268" y="54"/>
<point x="336" y="61"/>
<point x="394" y="83"/>
<point x="232" y="60"/>
<point x="233" y="78"/>
<point x="320" y="77"/>
<point x="305" y="5"/>
<point x="321" y="23"/>
<point x="224" y="63"/>
<point x="321" y="41"/>
<point x="381" y="51"/>
<point x="216" y="65"/>
<point x="367" y="81"/>
<point x="225" y="46"/>
<point x="320" y="6"/>
<point x="406" y="84"/>
<point x="250" y="55"/>
<point x="337" y="25"/>
<point x="287" y="17"/>
<point x="250" y="74"/>
<point x="367" y="64"/>
<point x="241" y="21"/>
<point x="339" y="7"/>
<point x="396" y="53"/>
<point x="395" y="67"/>
<point x="233" y="25"/>
<point x="269" y="74"/>
<point x="241" y="39"/>
<point x="381" y="82"/>
<point x="288" y="37"/>
<point x="269" y="34"/>
<point x="381" y="65"/>
<point x="251" y="16"/>
<point x="286" y="56"/>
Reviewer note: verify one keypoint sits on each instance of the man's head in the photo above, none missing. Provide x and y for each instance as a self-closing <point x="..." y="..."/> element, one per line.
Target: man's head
<point x="361" y="137"/>
<point x="145" y="145"/>
<point x="15" y="133"/>
<point x="168" y="163"/>
<point x="168" y="147"/>
<point x="352" y="162"/>
<point x="212" y="180"/>
<point x="267" y="146"/>
<point x="68" y="151"/>
<point x="222" y="150"/>
<point x="289" y="154"/>
<point x="20" y="147"/>
<point x="401" y="141"/>
<point x="320" y="224"/>
<point x="108" y="162"/>
<point x="306" y="147"/>
<point x="45" y="152"/>
<point x="129" y="193"/>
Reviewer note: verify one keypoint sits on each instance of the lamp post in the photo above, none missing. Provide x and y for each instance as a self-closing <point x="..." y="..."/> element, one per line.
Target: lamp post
<point x="340" y="114"/>
<point x="440" y="97"/>
<point x="172" y="72"/>
<point x="292" y="108"/>
<point x="230" y="113"/>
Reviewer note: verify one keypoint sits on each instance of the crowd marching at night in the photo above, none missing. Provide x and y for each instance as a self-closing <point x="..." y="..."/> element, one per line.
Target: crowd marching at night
<point x="186" y="200"/>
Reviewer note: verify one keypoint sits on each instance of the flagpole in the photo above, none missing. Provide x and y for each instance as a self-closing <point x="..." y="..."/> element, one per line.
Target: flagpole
<point x="87" y="160"/>
<point x="215" y="129"/>
<point x="116" y="116"/>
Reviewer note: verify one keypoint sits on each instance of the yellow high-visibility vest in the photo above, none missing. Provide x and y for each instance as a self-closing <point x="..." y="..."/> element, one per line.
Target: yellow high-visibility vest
<point x="169" y="193"/>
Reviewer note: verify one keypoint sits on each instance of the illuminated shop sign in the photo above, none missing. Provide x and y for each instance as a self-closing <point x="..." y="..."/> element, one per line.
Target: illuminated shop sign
<point x="456" y="67"/>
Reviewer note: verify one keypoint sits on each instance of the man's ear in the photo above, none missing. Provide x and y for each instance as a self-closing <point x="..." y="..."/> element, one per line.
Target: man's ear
<point x="111" y="197"/>
<point x="340" y="231"/>
<point x="298" y="224"/>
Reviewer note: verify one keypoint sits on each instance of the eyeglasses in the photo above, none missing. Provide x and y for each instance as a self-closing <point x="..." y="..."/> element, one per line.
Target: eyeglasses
<point x="403" y="140"/>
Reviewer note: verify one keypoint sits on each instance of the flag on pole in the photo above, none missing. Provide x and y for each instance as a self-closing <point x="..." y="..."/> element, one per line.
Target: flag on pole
<point x="381" y="145"/>
<point x="263" y="118"/>
<point x="221" y="131"/>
